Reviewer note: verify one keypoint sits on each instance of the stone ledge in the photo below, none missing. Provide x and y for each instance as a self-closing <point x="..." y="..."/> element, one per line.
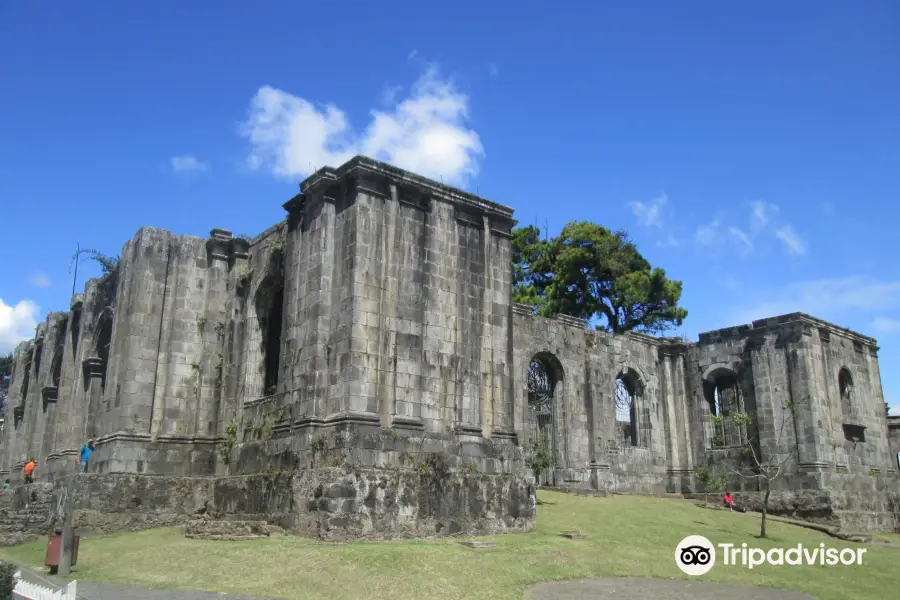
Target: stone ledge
<point x="209" y="529"/>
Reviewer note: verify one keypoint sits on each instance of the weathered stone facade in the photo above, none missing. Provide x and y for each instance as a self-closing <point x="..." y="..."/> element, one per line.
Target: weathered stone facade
<point x="359" y="370"/>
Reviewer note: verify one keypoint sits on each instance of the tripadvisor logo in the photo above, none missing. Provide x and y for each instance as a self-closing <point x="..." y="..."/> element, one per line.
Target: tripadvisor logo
<point x="695" y="555"/>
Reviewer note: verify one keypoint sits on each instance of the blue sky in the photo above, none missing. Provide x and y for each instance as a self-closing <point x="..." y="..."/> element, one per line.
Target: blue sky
<point x="753" y="152"/>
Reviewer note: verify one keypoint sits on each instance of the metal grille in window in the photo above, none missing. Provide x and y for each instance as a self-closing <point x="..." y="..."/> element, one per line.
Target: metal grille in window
<point x="540" y="388"/>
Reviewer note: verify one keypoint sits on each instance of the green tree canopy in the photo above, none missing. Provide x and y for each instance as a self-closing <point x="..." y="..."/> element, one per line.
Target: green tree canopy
<point x="588" y="271"/>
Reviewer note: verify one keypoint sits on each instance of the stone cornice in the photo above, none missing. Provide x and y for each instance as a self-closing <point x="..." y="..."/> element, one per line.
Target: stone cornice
<point x="93" y="367"/>
<point x="805" y="322"/>
<point x="219" y="244"/>
<point x="49" y="393"/>
<point x="121" y="436"/>
<point x="372" y="174"/>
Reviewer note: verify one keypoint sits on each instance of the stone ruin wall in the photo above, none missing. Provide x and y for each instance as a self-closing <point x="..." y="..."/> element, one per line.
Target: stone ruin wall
<point x="398" y="340"/>
<point x="390" y="348"/>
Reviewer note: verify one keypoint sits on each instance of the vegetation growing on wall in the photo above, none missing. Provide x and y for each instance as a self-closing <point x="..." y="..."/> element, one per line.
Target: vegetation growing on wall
<point x="227" y="446"/>
<point x="244" y="275"/>
<point x="539" y="457"/>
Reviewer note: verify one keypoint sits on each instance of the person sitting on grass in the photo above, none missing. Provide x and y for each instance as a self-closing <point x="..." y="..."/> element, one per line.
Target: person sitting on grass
<point x="729" y="502"/>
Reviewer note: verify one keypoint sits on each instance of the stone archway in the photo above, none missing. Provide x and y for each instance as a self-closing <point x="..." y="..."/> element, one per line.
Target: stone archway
<point x="544" y="379"/>
<point x="725" y="399"/>
<point x="629" y="403"/>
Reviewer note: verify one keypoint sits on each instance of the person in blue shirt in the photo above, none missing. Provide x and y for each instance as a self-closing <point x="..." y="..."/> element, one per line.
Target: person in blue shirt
<point x="86" y="452"/>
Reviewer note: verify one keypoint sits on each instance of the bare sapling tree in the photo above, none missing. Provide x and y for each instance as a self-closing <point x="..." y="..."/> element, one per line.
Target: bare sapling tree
<point x="765" y="466"/>
<point x="712" y="483"/>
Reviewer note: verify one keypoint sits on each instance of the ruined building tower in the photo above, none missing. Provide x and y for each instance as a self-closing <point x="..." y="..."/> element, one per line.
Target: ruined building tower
<point x="359" y="370"/>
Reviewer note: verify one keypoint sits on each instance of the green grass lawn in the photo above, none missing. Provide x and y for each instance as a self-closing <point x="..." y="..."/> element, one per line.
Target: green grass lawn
<point x="627" y="536"/>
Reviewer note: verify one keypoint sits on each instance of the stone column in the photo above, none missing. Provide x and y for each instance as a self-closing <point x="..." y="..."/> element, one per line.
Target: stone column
<point x="487" y="349"/>
<point x="15" y="411"/>
<point x="770" y="388"/>
<point x="34" y="414"/>
<point x="801" y="395"/>
<point x="387" y="345"/>
<point x="671" y="428"/>
<point x="214" y="332"/>
<point x="56" y="345"/>
<point x="683" y="406"/>
<point x="235" y="365"/>
<point x="20" y="402"/>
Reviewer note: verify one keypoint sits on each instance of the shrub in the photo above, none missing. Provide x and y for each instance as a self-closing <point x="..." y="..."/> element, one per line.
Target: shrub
<point x="7" y="580"/>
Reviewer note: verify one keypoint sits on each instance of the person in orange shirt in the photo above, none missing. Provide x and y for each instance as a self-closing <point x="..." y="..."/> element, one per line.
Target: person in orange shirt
<point x="29" y="470"/>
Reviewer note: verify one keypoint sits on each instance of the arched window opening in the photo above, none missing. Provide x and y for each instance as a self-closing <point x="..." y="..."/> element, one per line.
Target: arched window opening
<point x="540" y="387"/>
<point x="543" y="378"/>
<point x="627" y="387"/>
<point x="845" y="383"/>
<point x="272" y="342"/>
<point x="75" y="329"/>
<point x="723" y="393"/>
<point x="104" y="338"/>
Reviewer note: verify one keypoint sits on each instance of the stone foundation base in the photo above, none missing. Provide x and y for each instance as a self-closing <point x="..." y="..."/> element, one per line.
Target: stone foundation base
<point x="369" y="503"/>
<point x="338" y="503"/>
<point x="848" y="511"/>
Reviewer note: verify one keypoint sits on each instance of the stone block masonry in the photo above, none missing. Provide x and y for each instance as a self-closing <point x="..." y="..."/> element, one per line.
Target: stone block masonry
<point x="330" y="374"/>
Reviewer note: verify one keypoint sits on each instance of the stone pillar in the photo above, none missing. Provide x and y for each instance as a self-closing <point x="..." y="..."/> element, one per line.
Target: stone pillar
<point x="387" y="302"/>
<point x="770" y="387"/>
<point x="34" y="414"/>
<point x="69" y="394"/>
<point x="214" y="331"/>
<point x="12" y="429"/>
<point x="235" y="363"/>
<point x="831" y="409"/>
<point x="802" y="395"/>
<point x="671" y="428"/>
<point x="487" y="349"/>
<point x="309" y="269"/>
<point x="20" y="404"/>
<point x="682" y="405"/>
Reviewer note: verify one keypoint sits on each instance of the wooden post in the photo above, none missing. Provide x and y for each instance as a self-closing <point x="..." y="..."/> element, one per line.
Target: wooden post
<point x="68" y="538"/>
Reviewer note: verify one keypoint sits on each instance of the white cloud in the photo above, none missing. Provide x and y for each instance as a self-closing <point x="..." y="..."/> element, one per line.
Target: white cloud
<point x="791" y="240"/>
<point x="761" y="214"/>
<point x="832" y="299"/>
<point x="886" y="325"/>
<point x="717" y="237"/>
<point x="649" y="214"/>
<point x="707" y="234"/>
<point x="17" y="323"/>
<point x="38" y="279"/>
<point x="764" y="221"/>
<point x="742" y="239"/>
<point x="426" y="133"/>
<point x="188" y="163"/>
